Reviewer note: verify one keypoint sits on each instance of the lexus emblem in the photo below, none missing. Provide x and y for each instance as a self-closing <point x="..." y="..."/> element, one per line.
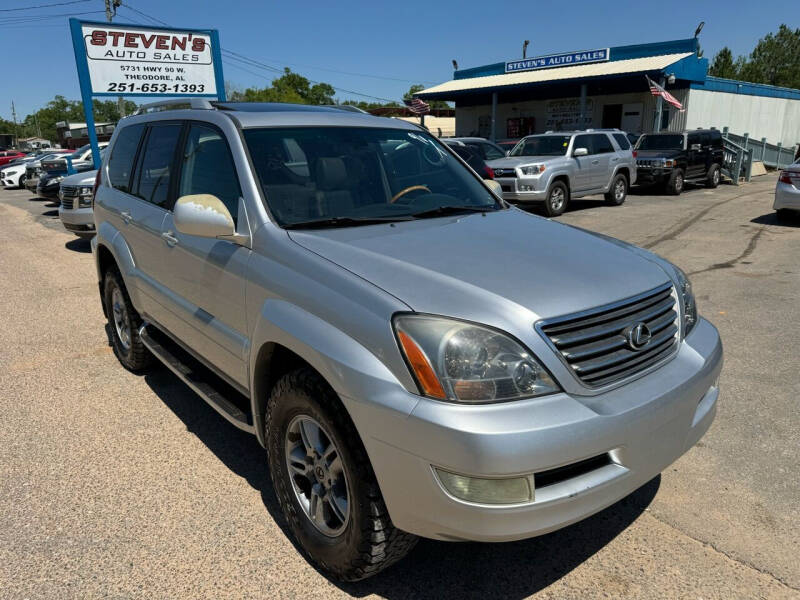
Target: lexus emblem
<point x="638" y="336"/>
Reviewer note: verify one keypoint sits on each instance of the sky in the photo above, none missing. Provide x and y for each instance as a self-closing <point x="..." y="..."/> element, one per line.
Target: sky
<point x="375" y="48"/>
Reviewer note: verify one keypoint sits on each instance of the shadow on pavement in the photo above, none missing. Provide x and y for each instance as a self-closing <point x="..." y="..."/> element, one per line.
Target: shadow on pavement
<point x="433" y="569"/>
<point x="79" y="245"/>
<point x="771" y="218"/>
<point x="50" y="213"/>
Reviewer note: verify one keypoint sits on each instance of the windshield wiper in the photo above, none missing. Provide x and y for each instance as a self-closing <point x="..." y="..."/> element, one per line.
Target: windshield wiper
<point x="446" y="210"/>
<point x="345" y="222"/>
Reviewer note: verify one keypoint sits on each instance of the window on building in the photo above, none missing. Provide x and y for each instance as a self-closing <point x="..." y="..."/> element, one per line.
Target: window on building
<point x="120" y="164"/>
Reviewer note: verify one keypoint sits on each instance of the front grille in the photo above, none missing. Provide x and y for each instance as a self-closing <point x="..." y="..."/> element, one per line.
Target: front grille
<point x="69" y="191"/>
<point x="67" y="203"/>
<point x="646" y="162"/>
<point x="505" y="172"/>
<point x="597" y="345"/>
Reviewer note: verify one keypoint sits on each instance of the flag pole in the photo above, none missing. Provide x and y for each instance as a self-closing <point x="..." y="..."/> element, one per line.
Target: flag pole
<point x="659" y="107"/>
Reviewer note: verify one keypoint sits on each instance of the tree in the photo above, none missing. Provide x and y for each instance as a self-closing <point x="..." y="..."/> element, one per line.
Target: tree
<point x="776" y="59"/>
<point x="723" y="65"/>
<point x="289" y="87"/>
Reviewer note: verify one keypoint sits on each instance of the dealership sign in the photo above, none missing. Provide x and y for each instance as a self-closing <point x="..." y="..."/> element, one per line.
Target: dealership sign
<point x="551" y="61"/>
<point x="130" y="60"/>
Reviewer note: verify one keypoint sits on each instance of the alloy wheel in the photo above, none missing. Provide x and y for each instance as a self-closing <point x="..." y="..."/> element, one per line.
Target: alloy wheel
<point x="121" y="320"/>
<point x="557" y="199"/>
<point x="317" y="473"/>
<point x="619" y="190"/>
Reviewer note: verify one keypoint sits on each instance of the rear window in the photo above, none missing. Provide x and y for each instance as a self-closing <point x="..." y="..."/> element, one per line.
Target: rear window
<point x="622" y="140"/>
<point x="601" y="144"/>
<point x="120" y="165"/>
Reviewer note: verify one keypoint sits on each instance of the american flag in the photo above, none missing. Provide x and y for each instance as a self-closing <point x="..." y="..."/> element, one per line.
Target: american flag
<point x="657" y="90"/>
<point x="418" y="107"/>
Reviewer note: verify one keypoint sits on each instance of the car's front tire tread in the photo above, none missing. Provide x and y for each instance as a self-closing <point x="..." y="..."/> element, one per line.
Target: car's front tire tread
<point x="138" y="358"/>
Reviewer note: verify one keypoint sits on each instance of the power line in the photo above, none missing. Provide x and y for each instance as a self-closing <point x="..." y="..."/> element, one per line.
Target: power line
<point x="43" y="5"/>
<point x="37" y="18"/>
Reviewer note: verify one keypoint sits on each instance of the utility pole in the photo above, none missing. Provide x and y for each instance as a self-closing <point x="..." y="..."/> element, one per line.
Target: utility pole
<point x="14" y="116"/>
<point x="111" y="12"/>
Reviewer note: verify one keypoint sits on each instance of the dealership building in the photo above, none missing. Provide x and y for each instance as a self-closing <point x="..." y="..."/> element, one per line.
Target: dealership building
<point x="608" y="87"/>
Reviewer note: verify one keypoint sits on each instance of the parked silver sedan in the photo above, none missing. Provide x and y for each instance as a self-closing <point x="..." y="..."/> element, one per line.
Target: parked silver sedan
<point x="787" y="192"/>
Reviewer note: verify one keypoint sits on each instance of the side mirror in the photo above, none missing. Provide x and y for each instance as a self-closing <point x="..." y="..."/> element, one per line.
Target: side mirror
<point x="494" y="186"/>
<point x="203" y="215"/>
<point x="580" y="152"/>
<point x="696" y="147"/>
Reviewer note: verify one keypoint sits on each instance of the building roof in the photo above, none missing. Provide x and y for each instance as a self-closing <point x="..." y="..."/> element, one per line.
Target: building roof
<point x="618" y="67"/>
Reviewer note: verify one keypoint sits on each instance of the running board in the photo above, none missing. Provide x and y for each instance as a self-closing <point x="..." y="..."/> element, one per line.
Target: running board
<point x="196" y="376"/>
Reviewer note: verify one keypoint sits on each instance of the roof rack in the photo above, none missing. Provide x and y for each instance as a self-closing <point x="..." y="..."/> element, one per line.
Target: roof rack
<point x="175" y="104"/>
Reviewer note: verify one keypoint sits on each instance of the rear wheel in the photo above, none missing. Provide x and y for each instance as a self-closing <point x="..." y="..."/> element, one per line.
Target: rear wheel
<point x="618" y="191"/>
<point x="557" y="199"/>
<point x="324" y="481"/>
<point x="675" y="183"/>
<point x="712" y="179"/>
<point x="124" y="322"/>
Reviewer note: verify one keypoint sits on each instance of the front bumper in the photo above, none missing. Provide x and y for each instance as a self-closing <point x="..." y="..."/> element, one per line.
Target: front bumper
<point x="11" y="180"/>
<point x="652" y="176"/>
<point x="50" y="192"/>
<point x="78" y="220"/>
<point x="644" y="426"/>
<point x="513" y="189"/>
<point x="31" y="184"/>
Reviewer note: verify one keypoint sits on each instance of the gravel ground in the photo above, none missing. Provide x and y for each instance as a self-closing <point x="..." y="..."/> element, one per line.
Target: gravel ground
<point x="115" y="485"/>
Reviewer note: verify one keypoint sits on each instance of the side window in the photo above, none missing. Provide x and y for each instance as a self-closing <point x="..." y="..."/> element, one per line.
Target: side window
<point x="583" y="141"/>
<point x="492" y="152"/>
<point x="156" y="163"/>
<point x="207" y="167"/>
<point x="705" y="139"/>
<point x="622" y="140"/>
<point x="693" y="138"/>
<point x="602" y="145"/>
<point x="120" y="164"/>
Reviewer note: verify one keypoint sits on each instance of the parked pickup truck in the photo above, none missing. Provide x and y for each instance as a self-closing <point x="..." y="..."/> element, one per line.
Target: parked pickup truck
<point x="671" y="159"/>
<point x="552" y="168"/>
<point x="343" y="287"/>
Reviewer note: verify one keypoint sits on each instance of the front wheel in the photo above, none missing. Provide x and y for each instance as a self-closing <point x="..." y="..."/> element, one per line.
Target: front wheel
<point x="557" y="198"/>
<point x="124" y="322"/>
<point x="21" y="184"/>
<point x="675" y="183"/>
<point x="712" y="179"/>
<point x="618" y="191"/>
<point x="324" y="481"/>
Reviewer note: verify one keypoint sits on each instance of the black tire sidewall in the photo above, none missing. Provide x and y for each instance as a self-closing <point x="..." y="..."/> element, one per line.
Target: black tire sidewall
<point x="611" y="197"/>
<point x="710" y="179"/>
<point x="673" y="180"/>
<point x="137" y="357"/>
<point x="332" y="553"/>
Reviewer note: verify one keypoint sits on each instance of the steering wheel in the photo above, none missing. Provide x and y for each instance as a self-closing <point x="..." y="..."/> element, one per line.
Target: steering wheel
<point x="410" y="188"/>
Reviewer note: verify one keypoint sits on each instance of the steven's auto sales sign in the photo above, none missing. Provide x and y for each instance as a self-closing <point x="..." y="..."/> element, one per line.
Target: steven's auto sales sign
<point x="128" y="60"/>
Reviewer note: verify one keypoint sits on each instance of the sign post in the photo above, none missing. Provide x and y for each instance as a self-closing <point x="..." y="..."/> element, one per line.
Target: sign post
<point x="132" y="60"/>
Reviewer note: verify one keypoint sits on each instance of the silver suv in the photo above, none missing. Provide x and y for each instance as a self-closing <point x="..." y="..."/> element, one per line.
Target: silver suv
<point x="341" y="286"/>
<point x="554" y="167"/>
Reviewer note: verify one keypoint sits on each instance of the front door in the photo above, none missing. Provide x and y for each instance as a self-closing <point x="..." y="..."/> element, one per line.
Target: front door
<point x="584" y="165"/>
<point x="207" y="276"/>
<point x="695" y="166"/>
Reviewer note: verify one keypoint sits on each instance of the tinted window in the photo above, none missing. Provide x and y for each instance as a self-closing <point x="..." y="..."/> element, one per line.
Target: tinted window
<point x="622" y="140"/>
<point x="490" y="152"/>
<point x="660" y="142"/>
<point x="313" y="173"/>
<point x="154" y="167"/>
<point x="207" y="168"/>
<point x="120" y="165"/>
<point x="542" y="145"/>
<point x="583" y="141"/>
<point x="694" y="138"/>
<point x="601" y="144"/>
<point x="705" y="138"/>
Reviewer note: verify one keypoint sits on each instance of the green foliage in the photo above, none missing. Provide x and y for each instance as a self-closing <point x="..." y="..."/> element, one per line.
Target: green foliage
<point x="289" y="87"/>
<point x="775" y="60"/>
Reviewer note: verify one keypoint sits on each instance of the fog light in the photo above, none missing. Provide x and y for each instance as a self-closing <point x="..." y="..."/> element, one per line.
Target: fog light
<point x="511" y="490"/>
<point x="526" y="188"/>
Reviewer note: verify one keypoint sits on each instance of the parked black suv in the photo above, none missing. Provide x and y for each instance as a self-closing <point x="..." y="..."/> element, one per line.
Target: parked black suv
<point x="671" y="159"/>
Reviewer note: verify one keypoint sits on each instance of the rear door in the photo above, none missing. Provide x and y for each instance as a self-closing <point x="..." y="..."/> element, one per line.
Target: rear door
<point x="695" y="166"/>
<point x="601" y="160"/>
<point x="206" y="277"/>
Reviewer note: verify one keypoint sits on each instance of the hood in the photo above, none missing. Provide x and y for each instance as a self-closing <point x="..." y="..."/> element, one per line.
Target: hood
<point x="467" y="265"/>
<point x="658" y="153"/>
<point x="515" y="161"/>
<point x="86" y="178"/>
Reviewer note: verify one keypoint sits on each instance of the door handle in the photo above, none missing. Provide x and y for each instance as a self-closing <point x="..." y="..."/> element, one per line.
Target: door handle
<point x="615" y="159"/>
<point x="126" y="217"/>
<point x="169" y="238"/>
<point x="595" y="162"/>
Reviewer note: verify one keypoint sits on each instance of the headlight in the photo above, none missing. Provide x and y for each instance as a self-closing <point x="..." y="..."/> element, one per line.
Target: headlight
<point x="669" y="163"/>
<point x="461" y="362"/>
<point x="689" y="304"/>
<point x="85" y="191"/>
<point x="532" y="169"/>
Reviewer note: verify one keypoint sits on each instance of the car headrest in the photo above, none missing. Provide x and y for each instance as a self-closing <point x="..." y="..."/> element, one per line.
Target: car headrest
<point x="331" y="173"/>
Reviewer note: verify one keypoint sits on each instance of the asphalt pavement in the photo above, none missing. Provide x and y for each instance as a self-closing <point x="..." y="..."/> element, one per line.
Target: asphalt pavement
<point x="123" y="486"/>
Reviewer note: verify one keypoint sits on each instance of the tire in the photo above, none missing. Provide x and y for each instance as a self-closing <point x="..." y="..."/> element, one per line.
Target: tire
<point x="350" y="543"/>
<point x="21" y="184"/>
<point x="557" y="199"/>
<point x="674" y="186"/>
<point x="124" y="323"/>
<point x="618" y="191"/>
<point x="712" y="178"/>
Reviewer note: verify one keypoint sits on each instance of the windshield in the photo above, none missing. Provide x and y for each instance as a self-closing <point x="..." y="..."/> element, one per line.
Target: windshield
<point x="542" y="145"/>
<point x="354" y="174"/>
<point x="660" y="142"/>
